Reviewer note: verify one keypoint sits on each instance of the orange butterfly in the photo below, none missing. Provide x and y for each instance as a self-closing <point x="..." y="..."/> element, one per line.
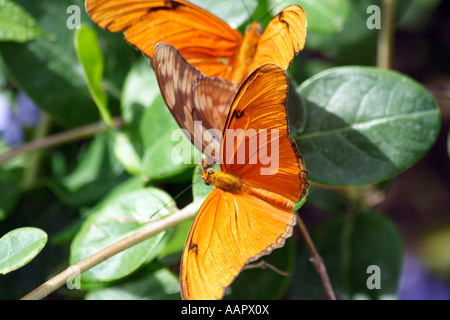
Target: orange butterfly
<point x="250" y="211"/>
<point x="207" y="42"/>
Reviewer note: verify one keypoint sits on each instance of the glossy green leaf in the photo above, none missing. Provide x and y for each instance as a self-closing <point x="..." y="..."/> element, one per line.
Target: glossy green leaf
<point x="127" y="154"/>
<point x="50" y="65"/>
<point x="20" y="246"/>
<point x="167" y="149"/>
<point x="353" y="31"/>
<point x="48" y="70"/>
<point x="365" y="125"/>
<point x="16" y="24"/>
<point x="154" y="282"/>
<point x="91" y="59"/>
<point x="326" y="16"/>
<point x="352" y="248"/>
<point x="171" y="254"/>
<point x="96" y="173"/>
<point x="120" y="217"/>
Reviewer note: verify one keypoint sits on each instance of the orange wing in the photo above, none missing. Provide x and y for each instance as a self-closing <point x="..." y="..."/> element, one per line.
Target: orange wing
<point x="203" y="39"/>
<point x="229" y="231"/>
<point x="197" y="103"/>
<point x="206" y="42"/>
<point x="282" y="39"/>
<point x="264" y="149"/>
<point x="235" y="227"/>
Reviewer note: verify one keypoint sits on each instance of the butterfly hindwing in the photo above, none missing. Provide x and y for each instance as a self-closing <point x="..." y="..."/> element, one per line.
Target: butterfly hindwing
<point x="229" y="231"/>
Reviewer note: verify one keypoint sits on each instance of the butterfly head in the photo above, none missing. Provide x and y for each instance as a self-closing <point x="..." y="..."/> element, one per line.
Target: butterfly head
<point x="254" y="28"/>
<point x="208" y="172"/>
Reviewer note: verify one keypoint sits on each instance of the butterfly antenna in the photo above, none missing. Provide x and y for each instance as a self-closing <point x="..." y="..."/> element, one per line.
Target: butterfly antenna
<point x="175" y="198"/>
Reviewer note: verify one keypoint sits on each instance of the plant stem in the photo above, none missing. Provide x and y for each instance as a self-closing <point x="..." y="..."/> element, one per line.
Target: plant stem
<point x="316" y="260"/>
<point x="386" y="35"/>
<point x="146" y="232"/>
<point x="34" y="162"/>
<point x="60" y="138"/>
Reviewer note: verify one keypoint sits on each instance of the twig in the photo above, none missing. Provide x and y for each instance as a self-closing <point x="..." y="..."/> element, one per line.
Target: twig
<point x="148" y="231"/>
<point x="263" y="264"/>
<point x="58" y="139"/>
<point x="386" y="35"/>
<point x="316" y="260"/>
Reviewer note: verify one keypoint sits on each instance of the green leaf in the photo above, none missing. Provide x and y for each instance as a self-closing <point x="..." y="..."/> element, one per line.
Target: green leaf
<point x="96" y="173"/>
<point x="20" y="246"/>
<point x="325" y="16"/>
<point x="171" y="253"/>
<point x="126" y="154"/>
<point x="349" y="247"/>
<point x="16" y="24"/>
<point x="48" y="70"/>
<point x="365" y="125"/>
<point x="91" y="59"/>
<point x="118" y="218"/>
<point x="167" y="149"/>
<point x="154" y="282"/>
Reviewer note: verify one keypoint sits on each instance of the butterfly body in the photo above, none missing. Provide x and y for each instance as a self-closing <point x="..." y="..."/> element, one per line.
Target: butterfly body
<point x="246" y="53"/>
<point x="230" y="183"/>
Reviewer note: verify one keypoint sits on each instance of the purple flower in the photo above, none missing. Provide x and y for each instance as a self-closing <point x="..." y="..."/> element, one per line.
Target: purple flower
<point x="418" y="284"/>
<point x="12" y="122"/>
<point x="27" y="113"/>
<point x="5" y="113"/>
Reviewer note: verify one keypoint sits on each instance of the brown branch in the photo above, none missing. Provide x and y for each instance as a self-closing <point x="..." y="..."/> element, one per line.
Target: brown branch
<point x="60" y="138"/>
<point x="143" y="234"/>
<point x="316" y="260"/>
<point x="386" y="35"/>
<point x="263" y="264"/>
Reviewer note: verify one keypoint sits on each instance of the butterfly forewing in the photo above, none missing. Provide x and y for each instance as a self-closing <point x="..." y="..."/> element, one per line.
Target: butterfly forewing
<point x="282" y="39"/>
<point x="256" y="144"/>
<point x="199" y="104"/>
<point x="203" y="39"/>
